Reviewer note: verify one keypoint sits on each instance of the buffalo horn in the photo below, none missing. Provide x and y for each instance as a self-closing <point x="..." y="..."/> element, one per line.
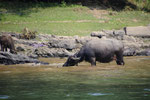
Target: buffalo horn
<point x="76" y="58"/>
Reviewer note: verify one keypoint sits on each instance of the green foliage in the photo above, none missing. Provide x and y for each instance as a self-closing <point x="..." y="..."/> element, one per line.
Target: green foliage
<point x="63" y="4"/>
<point x="141" y="4"/>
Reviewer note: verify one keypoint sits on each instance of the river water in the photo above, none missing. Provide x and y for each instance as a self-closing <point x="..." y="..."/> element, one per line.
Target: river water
<point x="103" y="82"/>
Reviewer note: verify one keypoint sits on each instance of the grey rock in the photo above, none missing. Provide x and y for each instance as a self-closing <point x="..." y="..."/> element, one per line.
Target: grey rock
<point x="144" y="52"/>
<point x="119" y="34"/>
<point x="129" y="52"/>
<point x="52" y="52"/>
<point x="62" y="43"/>
<point x="8" y="59"/>
<point x="19" y="48"/>
<point x="139" y="31"/>
<point x="98" y="34"/>
<point x="62" y="46"/>
<point x="109" y="32"/>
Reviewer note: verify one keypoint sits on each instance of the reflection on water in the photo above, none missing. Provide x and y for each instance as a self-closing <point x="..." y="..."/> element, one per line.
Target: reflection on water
<point x="103" y="82"/>
<point x="4" y="96"/>
<point x="147" y="89"/>
<point x="99" y="94"/>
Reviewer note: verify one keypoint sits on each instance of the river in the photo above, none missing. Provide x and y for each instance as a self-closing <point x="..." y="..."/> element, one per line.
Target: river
<point x="51" y="82"/>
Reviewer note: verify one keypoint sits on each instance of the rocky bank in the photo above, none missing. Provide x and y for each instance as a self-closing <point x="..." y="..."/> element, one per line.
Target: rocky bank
<point x="136" y="42"/>
<point x="8" y="58"/>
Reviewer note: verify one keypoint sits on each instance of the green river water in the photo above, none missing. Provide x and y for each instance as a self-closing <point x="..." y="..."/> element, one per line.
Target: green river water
<point x="103" y="82"/>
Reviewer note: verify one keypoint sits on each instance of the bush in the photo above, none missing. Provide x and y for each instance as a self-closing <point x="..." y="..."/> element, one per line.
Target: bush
<point x="27" y="34"/>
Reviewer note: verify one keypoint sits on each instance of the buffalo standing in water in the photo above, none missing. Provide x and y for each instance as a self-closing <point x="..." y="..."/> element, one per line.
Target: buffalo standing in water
<point x="6" y="41"/>
<point x="98" y="50"/>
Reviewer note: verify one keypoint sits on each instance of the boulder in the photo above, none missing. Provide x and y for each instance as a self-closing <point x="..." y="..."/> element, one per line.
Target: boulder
<point x="52" y="52"/>
<point x="98" y="34"/>
<point x="144" y="52"/>
<point x="119" y="34"/>
<point x="139" y="31"/>
<point x="109" y="33"/>
<point x="129" y="52"/>
<point x="9" y="59"/>
<point x="68" y="44"/>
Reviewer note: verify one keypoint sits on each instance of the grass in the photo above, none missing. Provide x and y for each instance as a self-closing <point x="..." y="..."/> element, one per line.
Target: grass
<point x="67" y="20"/>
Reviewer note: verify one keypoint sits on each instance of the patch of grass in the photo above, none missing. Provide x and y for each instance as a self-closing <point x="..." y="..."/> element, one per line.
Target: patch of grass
<point x="67" y="20"/>
<point x="130" y="18"/>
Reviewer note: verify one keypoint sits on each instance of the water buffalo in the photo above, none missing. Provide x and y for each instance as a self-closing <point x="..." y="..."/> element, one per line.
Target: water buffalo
<point x="102" y="50"/>
<point x="6" y="41"/>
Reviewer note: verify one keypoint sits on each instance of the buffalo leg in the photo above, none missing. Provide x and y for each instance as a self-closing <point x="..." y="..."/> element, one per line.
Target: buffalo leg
<point x="6" y="49"/>
<point x="119" y="56"/>
<point x="93" y="61"/>
<point x="2" y="48"/>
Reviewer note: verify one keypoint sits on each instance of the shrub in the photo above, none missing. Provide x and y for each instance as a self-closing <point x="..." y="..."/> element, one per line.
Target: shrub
<point x="27" y="34"/>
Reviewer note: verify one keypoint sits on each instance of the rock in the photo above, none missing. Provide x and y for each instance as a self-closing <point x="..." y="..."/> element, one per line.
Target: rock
<point x="119" y="34"/>
<point x="68" y="44"/>
<point x="19" y="48"/>
<point x="83" y="40"/>
<point x="33" y="55"/>
<point x="98" y="34"/>
<point x="64" y="46"/>
<point x="52" y="52"/>
<point x="139" y="31"/>
<point x="132" y="42"/>
<point x="130" y="38"/>
<point x="129" y="52"/>
<point x="144" y="52"/>
<point x="8" y="59"/>
<point x="109" y="32"/>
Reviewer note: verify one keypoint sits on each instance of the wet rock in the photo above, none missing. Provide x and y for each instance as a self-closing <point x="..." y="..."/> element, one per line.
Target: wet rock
<point x="144" y="52"/>
<point x="8" y="59"/>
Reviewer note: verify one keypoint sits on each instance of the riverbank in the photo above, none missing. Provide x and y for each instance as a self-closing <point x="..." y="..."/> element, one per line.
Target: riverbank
<point x="136" y="42"/>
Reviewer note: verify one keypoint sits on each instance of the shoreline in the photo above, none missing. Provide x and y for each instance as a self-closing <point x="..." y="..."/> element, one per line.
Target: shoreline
<point x="136" y="41"/>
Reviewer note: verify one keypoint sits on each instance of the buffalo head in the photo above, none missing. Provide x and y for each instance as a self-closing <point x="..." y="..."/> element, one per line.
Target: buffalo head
<point x="119" y="62"/>
<point x="71" y="61"/>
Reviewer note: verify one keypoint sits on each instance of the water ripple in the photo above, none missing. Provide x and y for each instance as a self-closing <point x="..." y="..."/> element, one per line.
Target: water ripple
<point x="4" y="96"/>
<point x="99" y="94"/>
<point x="147" y="89"/>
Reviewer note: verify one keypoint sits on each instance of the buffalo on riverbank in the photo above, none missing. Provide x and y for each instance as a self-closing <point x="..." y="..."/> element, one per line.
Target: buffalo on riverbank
<point x="6" y="42"/>
<point x="98" y="50"/>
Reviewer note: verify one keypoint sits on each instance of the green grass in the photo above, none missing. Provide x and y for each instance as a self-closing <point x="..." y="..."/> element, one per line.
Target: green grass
<point x="68" y="20"/>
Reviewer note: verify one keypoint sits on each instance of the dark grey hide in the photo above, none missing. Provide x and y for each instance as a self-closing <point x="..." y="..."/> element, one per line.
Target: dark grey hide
<point x="6" y="41"/>
<point x="101" y="50"/>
